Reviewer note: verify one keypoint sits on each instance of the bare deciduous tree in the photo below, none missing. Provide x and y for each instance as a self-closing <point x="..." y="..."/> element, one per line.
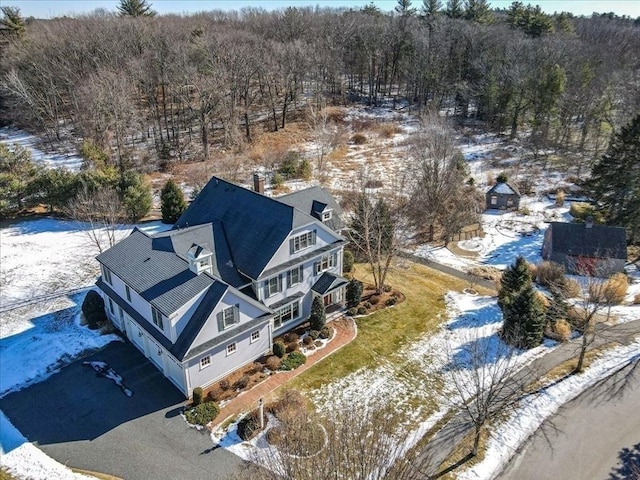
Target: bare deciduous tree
<point x="102" y="211"/>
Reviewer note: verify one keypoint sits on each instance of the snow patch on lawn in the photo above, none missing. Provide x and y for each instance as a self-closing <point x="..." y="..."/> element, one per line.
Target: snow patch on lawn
<point x="510" y="435"/>
<point x="70" y="161"/>
<point x="23" y="460"/>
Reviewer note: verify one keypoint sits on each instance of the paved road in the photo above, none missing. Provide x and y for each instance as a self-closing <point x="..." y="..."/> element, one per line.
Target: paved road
<point x="446" y="439"/>
<point x="85" y="421"/>
<point x="596" y="436"/>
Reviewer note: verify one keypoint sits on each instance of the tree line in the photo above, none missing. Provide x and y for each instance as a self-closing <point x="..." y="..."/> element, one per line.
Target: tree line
<point x="148" y="88"/>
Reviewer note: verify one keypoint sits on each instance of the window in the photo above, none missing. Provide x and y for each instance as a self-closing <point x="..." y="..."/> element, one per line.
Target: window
<point x="326" y="262"/>
<point x="231" y="348"/>
<point x="286" y="313"/>
<point x="205" y="362"/>
<point x="127" y="290"/>
<point x="494" y="199"/>
<point x="111" y="307"/>
<point x="106" y="274"/>
<point x="228" y="317"/>
<point x="294" y="276"/>
<point x="326" y="216"/>
<point x="255" y="336"/>
<point x="300" y="242"/>
<point x="274" y="285"/>
<point x="157" y="318"/>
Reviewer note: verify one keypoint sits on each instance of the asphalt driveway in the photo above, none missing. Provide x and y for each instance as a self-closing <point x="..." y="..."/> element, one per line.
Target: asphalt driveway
<point x="86" y="421"/>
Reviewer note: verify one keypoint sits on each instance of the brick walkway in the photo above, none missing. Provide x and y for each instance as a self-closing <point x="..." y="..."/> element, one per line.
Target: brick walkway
<point x="345" y="332"/>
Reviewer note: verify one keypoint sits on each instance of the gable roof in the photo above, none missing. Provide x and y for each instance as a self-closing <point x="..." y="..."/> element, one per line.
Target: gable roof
<point x="255" y="226"/>
<point x="314" y="201"/>
<point x="600" y="241"/>
<point x="504" y="188"/>
<point x="152" y="268"/>
<point x="327" y="282"/>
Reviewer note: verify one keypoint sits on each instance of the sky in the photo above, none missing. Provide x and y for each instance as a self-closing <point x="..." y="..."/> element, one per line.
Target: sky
<point x="53" y="8"/>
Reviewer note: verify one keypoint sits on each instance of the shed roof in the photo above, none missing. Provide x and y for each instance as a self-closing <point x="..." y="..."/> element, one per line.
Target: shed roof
<point x="504" y="188"/>
<point x="579" y="239"/>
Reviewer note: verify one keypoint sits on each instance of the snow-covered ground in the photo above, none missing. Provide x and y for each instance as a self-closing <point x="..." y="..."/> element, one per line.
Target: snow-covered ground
<point x="46" y="267"/>
<point x="70" y="161"/>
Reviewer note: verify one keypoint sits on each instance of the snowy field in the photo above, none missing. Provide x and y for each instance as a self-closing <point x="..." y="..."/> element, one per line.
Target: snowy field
<point x="69" y="160"/>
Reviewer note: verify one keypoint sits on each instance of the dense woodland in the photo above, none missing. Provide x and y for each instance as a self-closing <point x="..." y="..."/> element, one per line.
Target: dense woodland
<point x="139" y="91"/>
<point x="151" y="88"/>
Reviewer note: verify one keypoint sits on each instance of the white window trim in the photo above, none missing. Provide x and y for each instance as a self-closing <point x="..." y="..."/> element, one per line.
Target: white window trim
<point x="298" y="269"/>
<point x="106" y="273"/>
<point x="304" y="241"/>
<point x="232" y="348"/>
<point x="289" y="306"/>
<point x="255" y="336"/>
<point x="224" y="317"/>
<point x="156" y="318"/>
<point x="327" y="215"/>
<point x="330" y="259"/>
<point x="205" y="362"/>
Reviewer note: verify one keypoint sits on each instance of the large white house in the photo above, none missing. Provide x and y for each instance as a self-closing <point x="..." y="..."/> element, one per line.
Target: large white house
<point x="238" y="268"/>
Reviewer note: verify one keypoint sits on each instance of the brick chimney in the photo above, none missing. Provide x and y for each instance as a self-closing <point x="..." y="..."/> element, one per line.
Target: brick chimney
<point x="258" y="183"/>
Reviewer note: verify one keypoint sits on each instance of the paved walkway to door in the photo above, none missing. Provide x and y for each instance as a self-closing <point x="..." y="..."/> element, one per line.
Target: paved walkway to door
<point x="345" y="332"/>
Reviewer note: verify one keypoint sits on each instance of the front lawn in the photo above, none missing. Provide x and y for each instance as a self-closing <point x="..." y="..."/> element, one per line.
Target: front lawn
<point x="382" y="334"/>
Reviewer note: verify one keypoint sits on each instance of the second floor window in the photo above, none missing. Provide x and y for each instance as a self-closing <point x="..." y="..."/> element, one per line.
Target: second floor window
<point x="274" y="285"/>
<point x="327" y="261"/>
<point x="127" y="290"/>
<point x="294" y="276"/>
<point x="228" y="317"/>
<point x="156" y="316"/>
<point x="106" y="274"/>
<point x="302" y="241"/>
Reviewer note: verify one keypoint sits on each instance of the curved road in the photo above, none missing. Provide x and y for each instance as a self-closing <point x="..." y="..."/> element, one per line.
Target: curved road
<point x="596" y="436"/>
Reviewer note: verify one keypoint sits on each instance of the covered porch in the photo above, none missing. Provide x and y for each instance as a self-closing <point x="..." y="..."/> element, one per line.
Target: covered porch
<point x="331" y="288"/>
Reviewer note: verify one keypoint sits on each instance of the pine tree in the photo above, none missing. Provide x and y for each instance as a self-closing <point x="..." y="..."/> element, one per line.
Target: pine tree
<point x="615" y="180"/>
<point x="318" y="317"/>
<point x="135" y="195"/>
<point x="431" y="8"/>
<point x="524" y="323"/>
<point x="172" y="202"/>
<point x="12" y="21"/>
<point x="454" y="9"/>
<point x="478" y="11"/>
<point x="135" y="8"/>
<point x="514" y="279"/>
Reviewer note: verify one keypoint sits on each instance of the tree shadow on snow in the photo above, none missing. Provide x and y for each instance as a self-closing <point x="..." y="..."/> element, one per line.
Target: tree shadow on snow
<point x="629" y="464"/>
<point x="479" y="352"/>
<point x="477" y="318"/>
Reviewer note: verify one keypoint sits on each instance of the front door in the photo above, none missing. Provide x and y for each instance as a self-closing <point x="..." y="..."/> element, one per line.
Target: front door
<point x="326" y="300"/>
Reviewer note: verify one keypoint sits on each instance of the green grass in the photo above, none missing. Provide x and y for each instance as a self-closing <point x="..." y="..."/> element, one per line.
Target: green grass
<point x="384" y="333"/>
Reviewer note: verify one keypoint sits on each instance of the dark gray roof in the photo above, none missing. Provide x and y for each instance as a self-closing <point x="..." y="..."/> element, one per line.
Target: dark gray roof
<point x="504" y="188"/>
<point x="287" y="300"/>
<point x="210" y="236"/>
<point x="597" y="241"/>
<point x="151" y="267"/>
<point x="255" y="225"/>
<point x="313" y="201"/>
<point x="327" y="282"/>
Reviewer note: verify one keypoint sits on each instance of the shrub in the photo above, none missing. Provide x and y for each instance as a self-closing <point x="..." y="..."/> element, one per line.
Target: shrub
<point x="325" y="332"/>
<point x="615" y="289"/>
<point x="347" y="261"/>
<point x="571" y="288"/>
<point x="277" y="180"/>
<point x="362" y="310"/>
<point x="562" y="329"/>
<point x="314" y="334"/>
<point x="224" y="385"/>
<point x="92" y="302"/>
<point x="202" y="414"/>
<point x="255" y="368"/>
<point x="524" y="211"/>
<point x="96" y="320"/>
<point x="359" y="139"/>
<point x="550" y="274"/>
<point x="197" y="396"/>
<point x="293" y="361"/>
<point x="373" y="183"/>
<point x="391" y="301"/>
<point x="488" y="273"/>
<point x="249" y="426"/>
<point x="290" y="337"/>
<point x="242" y="382"/>
<point x="560" y="198"/>
<point x="581" y="210"/>
<point x="289" y="167"/>
<point x="318" y="316"/>
<point x="502" y="177"/>
<point x="292" y="346"/>
<point x="305" y="170"/>
<point x="354" y="292"/>
<point x="352" y="311"/>
<point x="279" y="349"/>
<point x="374" y="300"/>
<point x="172" y="203"/>
<point x="307" y="341"/>
<point x="387" y="288"/>
<point x="273" y="363"/>
<point x="367" y="305"/>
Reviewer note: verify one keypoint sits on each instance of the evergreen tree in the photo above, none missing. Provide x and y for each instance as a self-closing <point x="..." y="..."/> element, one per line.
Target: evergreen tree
<point x="353" y="293"/>
<point x="431" y="8"/>
<point x="454" y="9"/>
<point x="12" y="21"/>
<point x="514" y="279"/>
<point x="478" y="11"/>
<point x="135" y="8"/>
<point x="615" y="180"/>
<point x="318" y="317"/>
<point x="525" y="319"/>
<point x="172" y="202"/>
<point x="18" y="176"/>
<point x="135" y="194"/>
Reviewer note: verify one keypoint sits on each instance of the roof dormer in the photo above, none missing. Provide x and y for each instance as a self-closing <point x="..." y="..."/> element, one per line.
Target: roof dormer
<point x="200" y="259"/>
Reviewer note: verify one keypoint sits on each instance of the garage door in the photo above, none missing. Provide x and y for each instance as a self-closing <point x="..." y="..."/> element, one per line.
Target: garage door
<point x="175" y="373"/>
<point x="155" y="354"/>
<point x="137" y="337"/>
